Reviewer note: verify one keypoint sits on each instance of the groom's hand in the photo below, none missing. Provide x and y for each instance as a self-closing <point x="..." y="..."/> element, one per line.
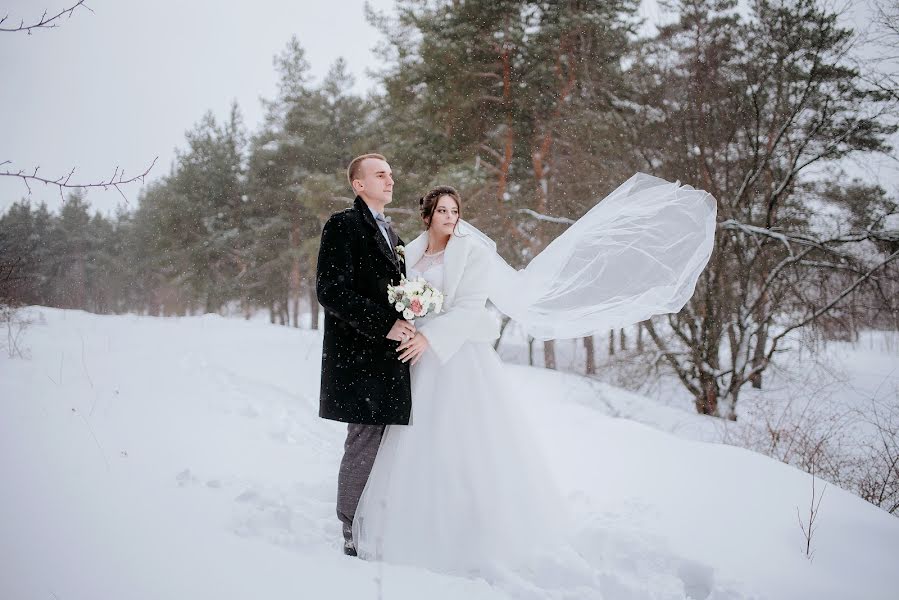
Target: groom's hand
<point x="401" y="331"/>
<point x="414" y="348"/>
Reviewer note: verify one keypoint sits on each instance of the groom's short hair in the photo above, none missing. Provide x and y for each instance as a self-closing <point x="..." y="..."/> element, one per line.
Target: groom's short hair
<point x="353" y="169"/>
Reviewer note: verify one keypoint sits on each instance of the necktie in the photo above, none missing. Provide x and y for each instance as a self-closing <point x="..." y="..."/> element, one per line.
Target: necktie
<point x="391" y="234"/>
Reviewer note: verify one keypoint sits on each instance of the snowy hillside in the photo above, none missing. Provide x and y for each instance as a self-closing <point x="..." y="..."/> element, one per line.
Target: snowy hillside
<point x="146" y="458"/>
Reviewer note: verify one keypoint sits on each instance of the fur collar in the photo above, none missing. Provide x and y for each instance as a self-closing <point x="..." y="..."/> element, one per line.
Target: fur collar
<point x="454" y="258"/>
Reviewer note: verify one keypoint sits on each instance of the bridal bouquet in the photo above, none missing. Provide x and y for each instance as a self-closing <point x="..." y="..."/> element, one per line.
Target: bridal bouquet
<point x="415" y="298"/>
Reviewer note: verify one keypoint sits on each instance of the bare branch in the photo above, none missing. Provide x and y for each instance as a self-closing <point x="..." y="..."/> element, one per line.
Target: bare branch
<point x="547" y="218"/>
<point x="886" y="235"/>
<point x="491" y="151"/>
<point x="808" y="528"/>
<point x="769" y="281"/>
<point x="758" y="168"/>
<point x="756" y="230"/>
<point x="45" y="22"/>
<point x="680" y="370"/>
<point x="64" y="182"/>
<point x="833" y="302"/>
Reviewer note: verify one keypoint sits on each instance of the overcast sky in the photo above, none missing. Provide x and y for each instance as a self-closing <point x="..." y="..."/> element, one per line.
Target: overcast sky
<point x="120" y="85"/>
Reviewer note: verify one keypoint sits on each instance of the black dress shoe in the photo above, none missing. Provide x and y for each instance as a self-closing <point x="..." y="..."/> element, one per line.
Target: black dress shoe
<point x="349" y="549"/>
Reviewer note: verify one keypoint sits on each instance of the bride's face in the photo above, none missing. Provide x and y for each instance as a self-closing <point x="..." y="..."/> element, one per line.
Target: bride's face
<point x="445" y="217"/>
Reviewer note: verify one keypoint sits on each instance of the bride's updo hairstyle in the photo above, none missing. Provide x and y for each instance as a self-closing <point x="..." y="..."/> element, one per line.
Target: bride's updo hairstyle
<point x="428" y="202"/>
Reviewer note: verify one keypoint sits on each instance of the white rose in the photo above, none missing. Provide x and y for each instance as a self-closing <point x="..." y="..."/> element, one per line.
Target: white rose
<point x="399" y="307"/>
<point x="408" y="315"/>
<point x="391" y="297"/>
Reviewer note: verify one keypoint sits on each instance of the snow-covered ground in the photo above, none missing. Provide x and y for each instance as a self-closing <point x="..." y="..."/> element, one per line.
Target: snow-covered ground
<point x="147" y="458"/>
<point x="825" y="394"/>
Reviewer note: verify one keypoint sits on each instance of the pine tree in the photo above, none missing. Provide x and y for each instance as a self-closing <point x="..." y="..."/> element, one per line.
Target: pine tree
<point x="18" y="268"/>
<point x="202" y="209"/>
<point x="296" y="170"/>
<point x="519" y="92"/>
<point x="70" y="244"/>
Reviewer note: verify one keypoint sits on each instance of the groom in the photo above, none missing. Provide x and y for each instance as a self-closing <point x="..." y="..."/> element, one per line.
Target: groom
<point x="363" y="382"/>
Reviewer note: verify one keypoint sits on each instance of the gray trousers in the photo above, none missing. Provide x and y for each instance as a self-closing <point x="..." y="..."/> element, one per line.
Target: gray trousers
<point x="359" y="453"/>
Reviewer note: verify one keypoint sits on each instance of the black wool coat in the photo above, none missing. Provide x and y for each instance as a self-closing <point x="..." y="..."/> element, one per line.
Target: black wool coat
<point x="363" y="380"/>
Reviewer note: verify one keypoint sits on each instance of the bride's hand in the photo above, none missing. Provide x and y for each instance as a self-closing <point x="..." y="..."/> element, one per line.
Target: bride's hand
<point x="413" y="348"/>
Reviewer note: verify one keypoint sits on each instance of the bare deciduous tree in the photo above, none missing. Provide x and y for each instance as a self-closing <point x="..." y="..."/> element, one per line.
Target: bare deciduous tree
<point x="744" y="109"/>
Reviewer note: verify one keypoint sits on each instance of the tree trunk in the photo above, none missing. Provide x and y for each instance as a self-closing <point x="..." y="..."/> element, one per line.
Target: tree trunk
<point x="509" y="138"/>
<point x="549" y="354"/>
<point x="154" y="306"/>
<point x="79" y="278"/>
<point x="611" y="342"/>
<point x="758" y="356"/>
<point x="293" y="282"/>
<point x="730" y="410"/>
<point x="530" y="351"/>
<point x="313" y="308"/>
<point x="279" y="312"/>
<point x="622" y="339"/>
<point x="707" y="404"/>
<point x="640" y="337"/>
<point x="591" y="355"/>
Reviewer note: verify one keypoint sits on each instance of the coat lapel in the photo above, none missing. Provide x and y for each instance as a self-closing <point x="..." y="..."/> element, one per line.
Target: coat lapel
<point x="369" y="220"/>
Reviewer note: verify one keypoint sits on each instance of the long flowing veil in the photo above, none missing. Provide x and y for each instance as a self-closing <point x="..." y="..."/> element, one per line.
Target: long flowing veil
<point x="637" y="253"/>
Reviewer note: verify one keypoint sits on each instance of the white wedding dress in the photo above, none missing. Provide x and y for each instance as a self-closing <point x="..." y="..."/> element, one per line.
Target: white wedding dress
<point x="464" y="487"/>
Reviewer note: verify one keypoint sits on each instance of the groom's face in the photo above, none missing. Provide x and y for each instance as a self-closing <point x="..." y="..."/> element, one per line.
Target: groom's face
<point x="374" y="181"/>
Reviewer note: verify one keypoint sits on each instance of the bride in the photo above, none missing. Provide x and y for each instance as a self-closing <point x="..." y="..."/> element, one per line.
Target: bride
<point x="464" y="487"/>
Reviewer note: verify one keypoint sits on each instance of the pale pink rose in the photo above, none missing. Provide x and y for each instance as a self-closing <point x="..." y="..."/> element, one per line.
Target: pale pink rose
<point x="416" y="306"/>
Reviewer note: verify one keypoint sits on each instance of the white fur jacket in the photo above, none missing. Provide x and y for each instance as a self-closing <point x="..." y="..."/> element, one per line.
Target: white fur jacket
<point x="465" y="317"/>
